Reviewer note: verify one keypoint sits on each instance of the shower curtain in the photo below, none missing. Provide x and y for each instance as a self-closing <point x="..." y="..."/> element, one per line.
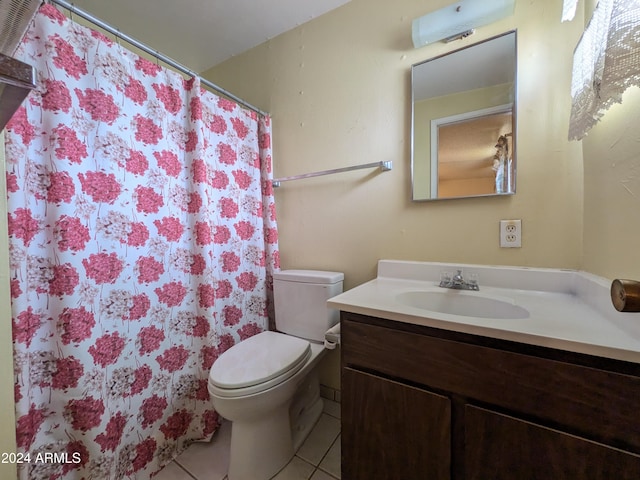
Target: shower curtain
<point x="142" y="242"/>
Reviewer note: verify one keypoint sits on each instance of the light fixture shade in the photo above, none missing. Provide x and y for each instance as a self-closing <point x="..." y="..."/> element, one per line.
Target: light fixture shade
<point x="458" y="18"/>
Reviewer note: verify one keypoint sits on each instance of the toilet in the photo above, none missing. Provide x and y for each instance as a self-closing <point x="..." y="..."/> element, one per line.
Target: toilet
<point x="267" y="385"/>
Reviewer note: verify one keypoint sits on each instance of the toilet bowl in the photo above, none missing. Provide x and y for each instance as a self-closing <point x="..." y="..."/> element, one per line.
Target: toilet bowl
<point x="267" y="385"/>
<point x="266" y="431"/>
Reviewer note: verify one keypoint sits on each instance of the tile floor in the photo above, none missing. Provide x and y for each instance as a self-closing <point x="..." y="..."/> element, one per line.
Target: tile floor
<point x="317" y="459"/>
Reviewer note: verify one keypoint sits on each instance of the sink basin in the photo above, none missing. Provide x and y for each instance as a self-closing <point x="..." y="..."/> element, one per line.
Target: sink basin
<point x="462" y="303"/>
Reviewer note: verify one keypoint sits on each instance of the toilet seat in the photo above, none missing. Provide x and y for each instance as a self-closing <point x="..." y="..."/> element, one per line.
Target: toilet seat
<point x="257" y="364"/>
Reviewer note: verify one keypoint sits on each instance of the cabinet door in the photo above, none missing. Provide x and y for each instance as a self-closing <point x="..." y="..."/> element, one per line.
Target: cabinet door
<point x="500" y="447"/>
<point x="393" y="431"/>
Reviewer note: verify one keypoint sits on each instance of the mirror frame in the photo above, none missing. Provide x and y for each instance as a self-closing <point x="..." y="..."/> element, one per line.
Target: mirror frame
<point x="431" y="166"/>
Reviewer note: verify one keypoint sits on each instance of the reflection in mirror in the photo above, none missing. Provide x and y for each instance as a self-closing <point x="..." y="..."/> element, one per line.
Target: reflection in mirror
<point x="463" y="125"/>
<point x="474" y="153"/>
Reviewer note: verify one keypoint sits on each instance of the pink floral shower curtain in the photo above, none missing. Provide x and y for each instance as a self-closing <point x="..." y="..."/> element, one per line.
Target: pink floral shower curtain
<point x="142" y="242"/>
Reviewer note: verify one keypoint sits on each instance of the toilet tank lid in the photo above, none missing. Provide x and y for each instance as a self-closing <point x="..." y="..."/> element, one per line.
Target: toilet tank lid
<point x="308" y="276"/>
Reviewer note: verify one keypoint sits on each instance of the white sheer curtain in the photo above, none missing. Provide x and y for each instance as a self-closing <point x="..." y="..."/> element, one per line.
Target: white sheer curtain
<point x="606" y="61"/>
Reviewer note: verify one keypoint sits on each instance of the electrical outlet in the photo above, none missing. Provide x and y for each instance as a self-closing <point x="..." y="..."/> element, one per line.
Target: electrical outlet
<point x="510" y="233"/>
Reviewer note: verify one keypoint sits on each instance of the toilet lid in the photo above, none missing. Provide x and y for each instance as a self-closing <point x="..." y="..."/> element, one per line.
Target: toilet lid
<point x="259" y="359"/>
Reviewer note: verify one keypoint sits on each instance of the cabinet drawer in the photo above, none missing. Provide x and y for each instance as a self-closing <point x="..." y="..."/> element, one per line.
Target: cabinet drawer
<point x="552" y="391"/>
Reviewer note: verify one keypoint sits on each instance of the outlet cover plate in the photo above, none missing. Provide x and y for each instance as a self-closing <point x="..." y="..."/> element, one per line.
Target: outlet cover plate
<point x="510" y="233"/>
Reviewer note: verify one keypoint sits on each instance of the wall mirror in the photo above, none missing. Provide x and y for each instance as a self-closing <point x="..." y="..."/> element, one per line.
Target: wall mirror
<point x="463" y="133"/>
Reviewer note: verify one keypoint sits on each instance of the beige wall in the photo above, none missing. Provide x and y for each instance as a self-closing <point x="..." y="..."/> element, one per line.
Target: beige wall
<point x="612" y="192"/>
<point x="338" y="89"/>
<point x="7" y="416"/>
<point x="612" y="189"/>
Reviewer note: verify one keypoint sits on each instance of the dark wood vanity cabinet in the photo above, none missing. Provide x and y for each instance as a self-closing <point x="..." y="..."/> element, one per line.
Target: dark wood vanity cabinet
<point x="386" y="429"/>
<point x="427" y="404"/>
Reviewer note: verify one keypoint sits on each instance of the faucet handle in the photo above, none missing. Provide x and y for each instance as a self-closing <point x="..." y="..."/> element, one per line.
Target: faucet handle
<point x="445" y="278"/>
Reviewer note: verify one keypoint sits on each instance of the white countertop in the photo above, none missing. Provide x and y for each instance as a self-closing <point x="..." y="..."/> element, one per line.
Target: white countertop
<point x="569" y="310"/>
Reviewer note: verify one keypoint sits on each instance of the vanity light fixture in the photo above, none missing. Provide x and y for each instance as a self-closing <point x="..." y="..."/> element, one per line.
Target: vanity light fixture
<point x="458" y="20"/>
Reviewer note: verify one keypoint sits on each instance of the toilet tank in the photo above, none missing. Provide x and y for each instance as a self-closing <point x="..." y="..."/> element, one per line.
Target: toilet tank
<point x="300" y="302"/>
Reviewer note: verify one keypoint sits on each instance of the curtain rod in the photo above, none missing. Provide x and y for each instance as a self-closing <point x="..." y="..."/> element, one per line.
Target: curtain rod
<point x="169" y="61"/>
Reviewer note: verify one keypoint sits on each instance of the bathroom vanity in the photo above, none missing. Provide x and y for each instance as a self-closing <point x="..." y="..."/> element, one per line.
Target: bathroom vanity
<point x="429" y="395"/>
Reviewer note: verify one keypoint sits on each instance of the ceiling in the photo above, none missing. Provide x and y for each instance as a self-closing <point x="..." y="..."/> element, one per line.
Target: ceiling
<point x="480" y="65"/>
<point x="202" y="33"/>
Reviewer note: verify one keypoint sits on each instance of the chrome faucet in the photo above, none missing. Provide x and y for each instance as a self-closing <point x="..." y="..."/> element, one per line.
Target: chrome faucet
<point x="458" y="282"/>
